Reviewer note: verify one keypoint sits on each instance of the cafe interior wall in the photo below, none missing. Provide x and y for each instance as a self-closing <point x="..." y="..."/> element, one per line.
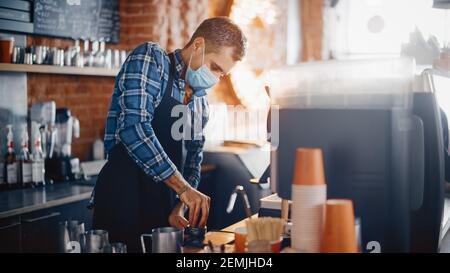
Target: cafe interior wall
<point x="158" y="21"/>
<point x="88" y="97"/>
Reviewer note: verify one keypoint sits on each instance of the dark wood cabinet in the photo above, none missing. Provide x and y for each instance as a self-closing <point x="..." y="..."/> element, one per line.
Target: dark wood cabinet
<point x="37" y="232"/>
<point x="40" y="231"/>
<point x="10" y="235"/>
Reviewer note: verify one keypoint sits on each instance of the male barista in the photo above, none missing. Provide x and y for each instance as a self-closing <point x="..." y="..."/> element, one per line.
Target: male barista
<point x="151" y="176"/>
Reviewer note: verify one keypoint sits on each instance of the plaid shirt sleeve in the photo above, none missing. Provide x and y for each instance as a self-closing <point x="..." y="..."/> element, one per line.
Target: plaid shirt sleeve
<point x="194" y="147"/>
<point x="139" y="88"/>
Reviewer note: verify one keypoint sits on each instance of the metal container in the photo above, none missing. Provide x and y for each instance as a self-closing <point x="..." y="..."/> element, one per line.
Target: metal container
<point x="28" y="58"/>
<point x="165" y="240"/>
<point x="40" y="54"/>
<point x="70" y="236"/>
<point x="57" y="56"/>
<point x="68" y="55"/>
<point x="95" y="241"/>
<point x="18" y="55"/>
<point x="119" y="248"/>
<point x="115" y="248"/>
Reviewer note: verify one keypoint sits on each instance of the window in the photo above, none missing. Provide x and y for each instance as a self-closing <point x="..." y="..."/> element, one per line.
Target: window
<point x="378" y="28"/>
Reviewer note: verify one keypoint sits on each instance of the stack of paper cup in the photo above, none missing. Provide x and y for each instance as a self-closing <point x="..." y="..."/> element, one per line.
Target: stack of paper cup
<point x="309" y="194"/>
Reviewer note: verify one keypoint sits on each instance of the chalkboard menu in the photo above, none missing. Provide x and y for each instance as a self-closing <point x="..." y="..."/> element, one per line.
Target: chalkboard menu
<point x="85" y="19"/>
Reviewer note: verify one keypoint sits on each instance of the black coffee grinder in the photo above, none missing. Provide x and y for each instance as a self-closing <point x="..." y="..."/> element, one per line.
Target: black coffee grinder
<point x="62" y="166"/>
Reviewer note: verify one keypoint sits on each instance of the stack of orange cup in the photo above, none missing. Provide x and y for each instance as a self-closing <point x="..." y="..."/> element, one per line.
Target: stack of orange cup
<point x="309" y="194"/>
<point x="240" y="239"/>
<point x="339" y="230"/>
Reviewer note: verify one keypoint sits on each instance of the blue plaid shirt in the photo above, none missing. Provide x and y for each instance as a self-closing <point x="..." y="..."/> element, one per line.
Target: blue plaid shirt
<point x="138" y="90"/>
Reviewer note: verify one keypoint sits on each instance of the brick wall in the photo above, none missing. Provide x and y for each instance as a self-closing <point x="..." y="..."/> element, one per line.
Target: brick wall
<point x="88" y="97"/>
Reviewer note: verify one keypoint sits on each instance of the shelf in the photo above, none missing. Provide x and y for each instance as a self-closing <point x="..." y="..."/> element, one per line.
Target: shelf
<point x="64" y="70"/>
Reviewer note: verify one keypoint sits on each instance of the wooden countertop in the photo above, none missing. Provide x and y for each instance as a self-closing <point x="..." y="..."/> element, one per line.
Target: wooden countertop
<point x="224" y="236"/>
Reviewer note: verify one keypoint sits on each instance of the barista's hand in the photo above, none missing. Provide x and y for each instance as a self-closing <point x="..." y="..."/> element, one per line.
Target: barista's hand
<point x="196" y="201"/>
<point x="176" y="217"/>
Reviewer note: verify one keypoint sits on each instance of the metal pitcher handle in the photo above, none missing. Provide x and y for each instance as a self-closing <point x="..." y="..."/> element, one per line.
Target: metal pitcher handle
<point x="73" y="247"/>
<point x="83" y="242"/>
<point x="143" y="243"/>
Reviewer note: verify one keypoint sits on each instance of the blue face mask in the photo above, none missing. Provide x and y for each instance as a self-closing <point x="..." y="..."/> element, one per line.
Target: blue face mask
<point x="201" y="78"/>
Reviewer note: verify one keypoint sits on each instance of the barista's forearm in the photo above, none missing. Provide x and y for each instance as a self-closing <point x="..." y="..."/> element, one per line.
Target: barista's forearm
<point x="176" y="182"/>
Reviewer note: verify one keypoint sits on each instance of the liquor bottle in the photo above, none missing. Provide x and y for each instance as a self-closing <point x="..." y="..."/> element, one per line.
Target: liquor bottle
<point x="2" y="168"/>
<point x="2" y="174"/>
<point x="25" y="163"/>
<point x="89" y="54"/>
<point x="10" y="161"/>
<point x="99" y="57"/>
<point x="38" y="163"/>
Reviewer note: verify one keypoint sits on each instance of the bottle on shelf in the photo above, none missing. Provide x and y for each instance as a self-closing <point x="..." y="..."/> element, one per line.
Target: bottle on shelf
<point x="100" y="54"/>
<point x="2" y="169"/>
<point x="88" y="55"/>
<point x="37" y="162"/>
<point x="25" y="163"/>
<point x="78" y="56"/>
<point x="98" y="150"/>
<point x="2" y="174"/>
<point x="10" y="161"/>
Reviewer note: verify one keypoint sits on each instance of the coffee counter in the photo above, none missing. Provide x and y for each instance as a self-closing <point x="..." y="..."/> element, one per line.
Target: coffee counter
<point x="29" y="217"/>
<point x="224" y="236"/>
<point x="16" y="202"/>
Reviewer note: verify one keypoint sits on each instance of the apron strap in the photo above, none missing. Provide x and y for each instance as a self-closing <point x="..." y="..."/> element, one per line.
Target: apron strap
<point x="168" y="91"/>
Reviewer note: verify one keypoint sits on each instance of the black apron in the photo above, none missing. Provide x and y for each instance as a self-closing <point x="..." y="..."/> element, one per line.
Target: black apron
<point x="128" y="202"/>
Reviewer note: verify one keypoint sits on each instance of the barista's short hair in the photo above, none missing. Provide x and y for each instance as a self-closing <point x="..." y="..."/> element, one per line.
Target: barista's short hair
<point x="221" y="32"/>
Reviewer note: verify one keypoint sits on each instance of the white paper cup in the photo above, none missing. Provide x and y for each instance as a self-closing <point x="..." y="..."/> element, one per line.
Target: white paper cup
<point x="307" y="215"/>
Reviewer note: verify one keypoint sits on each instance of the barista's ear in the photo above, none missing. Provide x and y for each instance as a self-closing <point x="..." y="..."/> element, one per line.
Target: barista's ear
<point x="199" y="42"/>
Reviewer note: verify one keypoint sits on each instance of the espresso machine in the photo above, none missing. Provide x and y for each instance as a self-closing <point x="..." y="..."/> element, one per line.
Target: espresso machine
<point x="60" y="165"/>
